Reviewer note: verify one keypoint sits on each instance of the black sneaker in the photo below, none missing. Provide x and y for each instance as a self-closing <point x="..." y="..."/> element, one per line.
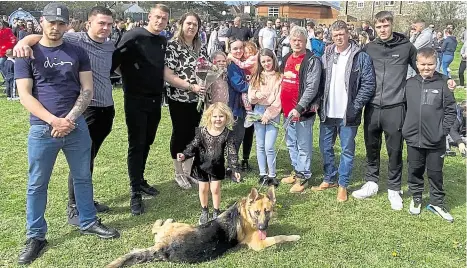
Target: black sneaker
<point x="101" y="231"/>
<point x="216" y="214"/>
<point x="450" y="153"/>
<point x="31" y="250"/>
<point x="273" y="181"/>
<point x="148" y="189"/>
<point x="263" y="180"/>
<point x="73" y="215"/>
<point x="136" y="203"/>
<point x="101" y="207"/>
<point x="204" y="218"/>
<point x="245" y="166"/>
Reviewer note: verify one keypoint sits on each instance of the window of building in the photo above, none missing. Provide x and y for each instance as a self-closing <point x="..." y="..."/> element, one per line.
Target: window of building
<point x="273" y="11"/>
<point x="360" y="4"/>
<point x="409" y="2"/>
<point x="390" y="3"/>
<point x="377" y="3"/>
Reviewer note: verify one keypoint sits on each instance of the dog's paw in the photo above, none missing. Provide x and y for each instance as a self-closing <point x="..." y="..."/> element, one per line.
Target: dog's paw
<point x="293" y="238"/>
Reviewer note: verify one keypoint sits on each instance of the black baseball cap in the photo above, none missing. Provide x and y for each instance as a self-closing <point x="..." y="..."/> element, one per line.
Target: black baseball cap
<point x="56" y="12"/>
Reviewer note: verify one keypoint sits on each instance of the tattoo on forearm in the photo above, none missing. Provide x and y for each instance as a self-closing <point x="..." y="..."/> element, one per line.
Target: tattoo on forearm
<point x="84" y="99"/>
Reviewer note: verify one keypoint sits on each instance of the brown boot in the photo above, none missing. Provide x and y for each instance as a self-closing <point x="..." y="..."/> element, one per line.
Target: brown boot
<point x="323" y="186"/>
<point x="290" y="179"/>
<point x="299" y="187"/>
<point x="341" y="194"/>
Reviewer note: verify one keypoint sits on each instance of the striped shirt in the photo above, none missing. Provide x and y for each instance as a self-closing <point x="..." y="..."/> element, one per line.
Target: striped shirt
<point x="100" y="55"/>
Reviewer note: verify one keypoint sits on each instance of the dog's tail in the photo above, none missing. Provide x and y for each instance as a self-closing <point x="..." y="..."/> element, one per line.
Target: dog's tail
<point x="136" y="256"/>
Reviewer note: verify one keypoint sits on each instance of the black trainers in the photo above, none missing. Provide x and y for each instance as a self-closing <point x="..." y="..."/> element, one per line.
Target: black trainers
<point x="216" y="214"/>
<point x="31" y="250"/>
<point x="101" y="231"/>
<point x="101" y="207"/>
<point x="245" y="166"/>
<point x="136" y="203"/>
<point x="148" y="189"/>
<point x="450" y="153"/>
<point x="73" y="215"/>
<point x="204" y="218"/>
<point x="273" y="181"/>
<point x="263" y="180"/>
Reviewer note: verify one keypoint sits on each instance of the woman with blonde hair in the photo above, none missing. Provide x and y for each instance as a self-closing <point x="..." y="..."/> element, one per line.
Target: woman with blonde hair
<point x="184" y="51"/>
<point x="363" y="39"/>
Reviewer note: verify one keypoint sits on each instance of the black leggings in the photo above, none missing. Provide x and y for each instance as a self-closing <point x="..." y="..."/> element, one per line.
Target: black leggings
<point x="248" y="142"/>
<point x="185" y="119"/>
<point x="461" y="73"/>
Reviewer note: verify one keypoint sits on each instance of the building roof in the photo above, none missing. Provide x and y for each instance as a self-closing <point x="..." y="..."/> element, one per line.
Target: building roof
<point x="298" y="3"/>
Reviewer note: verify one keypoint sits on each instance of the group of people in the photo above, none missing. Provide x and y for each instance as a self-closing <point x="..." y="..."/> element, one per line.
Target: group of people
<point x="67" y="89"/>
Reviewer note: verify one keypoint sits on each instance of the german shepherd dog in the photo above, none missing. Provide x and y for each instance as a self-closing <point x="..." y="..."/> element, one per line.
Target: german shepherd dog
<point x="245" y="222"/>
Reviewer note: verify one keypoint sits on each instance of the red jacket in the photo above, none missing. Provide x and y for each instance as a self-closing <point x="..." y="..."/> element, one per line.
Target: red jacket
<point x="7" y="40"/>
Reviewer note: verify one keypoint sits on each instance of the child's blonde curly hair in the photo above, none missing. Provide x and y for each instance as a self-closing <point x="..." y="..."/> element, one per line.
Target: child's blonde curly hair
<point x="224" y="109"/>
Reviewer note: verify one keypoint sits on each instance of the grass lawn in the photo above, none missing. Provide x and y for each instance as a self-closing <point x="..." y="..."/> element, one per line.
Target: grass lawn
<point x="353" y="234"/>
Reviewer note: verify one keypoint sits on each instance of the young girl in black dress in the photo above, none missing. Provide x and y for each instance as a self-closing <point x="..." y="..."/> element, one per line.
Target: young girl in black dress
<point x="208" y="147"/>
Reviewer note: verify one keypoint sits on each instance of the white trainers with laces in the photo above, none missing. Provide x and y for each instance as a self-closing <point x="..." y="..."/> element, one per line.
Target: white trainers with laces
<point x="440" y="211"/>
<point x="415" y="206"/>
<point x="368" y="189"/>
<point x="395" y="199"/>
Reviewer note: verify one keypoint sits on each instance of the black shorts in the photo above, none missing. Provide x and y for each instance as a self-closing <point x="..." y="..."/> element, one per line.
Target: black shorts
<point x="203" y="176"/>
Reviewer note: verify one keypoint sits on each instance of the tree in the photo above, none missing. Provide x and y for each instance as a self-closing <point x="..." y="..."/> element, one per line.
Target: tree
<point x="443" y="13"/>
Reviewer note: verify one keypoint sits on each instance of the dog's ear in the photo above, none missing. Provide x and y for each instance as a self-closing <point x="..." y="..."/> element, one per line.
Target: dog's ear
<point x="272" y="194"/>
<point x="253" y="195"/>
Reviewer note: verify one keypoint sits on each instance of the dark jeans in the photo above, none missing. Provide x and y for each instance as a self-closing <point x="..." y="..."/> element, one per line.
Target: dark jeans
<point x="238" y="132"/>
<point x="388" y="121"/>
<point x="142" y="115"/>
<point x="99" y="121"/>
<point x="185" y="120"/>
<point x="461" y="73"/>
<point x="248" y="142"/>
<point x="432" y="160"/>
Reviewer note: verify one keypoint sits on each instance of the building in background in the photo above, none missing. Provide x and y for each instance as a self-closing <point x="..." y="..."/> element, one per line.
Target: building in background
<point x="365" y="10"/>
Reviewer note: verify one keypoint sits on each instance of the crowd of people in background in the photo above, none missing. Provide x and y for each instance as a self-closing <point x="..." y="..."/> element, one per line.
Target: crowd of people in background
<point x="271" y="72"/>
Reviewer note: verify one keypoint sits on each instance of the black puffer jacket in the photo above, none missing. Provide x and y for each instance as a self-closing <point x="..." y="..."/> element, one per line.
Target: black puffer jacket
<point x="391" y="60"/>
<point x="312" y="87"/>
<point x="431" y="111"/>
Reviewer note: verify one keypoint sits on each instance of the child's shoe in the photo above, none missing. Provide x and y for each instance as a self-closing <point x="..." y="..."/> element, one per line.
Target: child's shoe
<point x="215" y="214"/>
<point x="415" y="205"/>
<point x="204" y="218"/>
<point x="440" y="211"/>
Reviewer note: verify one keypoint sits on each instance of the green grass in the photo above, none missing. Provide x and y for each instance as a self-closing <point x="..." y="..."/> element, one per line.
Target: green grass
<point x="354" y="234"/>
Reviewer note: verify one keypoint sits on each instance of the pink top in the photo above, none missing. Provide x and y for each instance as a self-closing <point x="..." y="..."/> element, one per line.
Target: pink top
<point x="249" y="64"/>
<point x="268" y="94"/>
<point x="219" y="91"/>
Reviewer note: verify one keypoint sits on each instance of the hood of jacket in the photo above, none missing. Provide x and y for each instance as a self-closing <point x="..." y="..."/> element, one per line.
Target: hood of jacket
<point x="397" y="39"/>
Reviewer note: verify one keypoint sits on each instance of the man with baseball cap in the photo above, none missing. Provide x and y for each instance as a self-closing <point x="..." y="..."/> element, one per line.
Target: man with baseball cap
<point x="56" y="88"/>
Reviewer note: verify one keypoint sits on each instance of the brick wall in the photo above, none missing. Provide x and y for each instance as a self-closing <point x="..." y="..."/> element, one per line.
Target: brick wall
<point x="301" y="12"/>
<point x="370" y="8"/>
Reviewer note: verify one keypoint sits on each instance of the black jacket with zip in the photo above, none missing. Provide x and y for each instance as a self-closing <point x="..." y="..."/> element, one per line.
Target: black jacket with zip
<point x="391" y="60"/>
<point x="431" y="111"/>
<point x="311" y="86"/>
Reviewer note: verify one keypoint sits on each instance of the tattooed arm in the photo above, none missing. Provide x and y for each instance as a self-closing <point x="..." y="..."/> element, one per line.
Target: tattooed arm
<point x="84" y="98"/>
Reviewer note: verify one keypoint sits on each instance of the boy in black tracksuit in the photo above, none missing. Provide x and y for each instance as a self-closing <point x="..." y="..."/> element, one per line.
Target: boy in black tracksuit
<point x="431" y="111"/>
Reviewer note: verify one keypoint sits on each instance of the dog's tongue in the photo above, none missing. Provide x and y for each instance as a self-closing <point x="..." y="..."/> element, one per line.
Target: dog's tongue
<point x="262" y="234"/>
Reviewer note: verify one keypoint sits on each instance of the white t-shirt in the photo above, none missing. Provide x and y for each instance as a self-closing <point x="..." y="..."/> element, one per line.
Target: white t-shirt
<point x="337" y="98"/>
<point x="285" y="49"/>
<point x="269" y="37"/>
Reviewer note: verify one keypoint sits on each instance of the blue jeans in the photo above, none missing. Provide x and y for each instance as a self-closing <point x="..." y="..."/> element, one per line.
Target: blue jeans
<point x="327" y="134"/>
<point x="299" y="140"/>
<point x="42" y="153"/>
<point x="446" y="61"/>
<point x="266" y="136"/>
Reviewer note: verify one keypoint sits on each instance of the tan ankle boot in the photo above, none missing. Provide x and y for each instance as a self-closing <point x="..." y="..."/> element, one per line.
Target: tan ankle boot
<point x="323" y="186"/>
<point x="341" y="194"/>
<point x="187" y="166"/>
<point x="180" y="176"/>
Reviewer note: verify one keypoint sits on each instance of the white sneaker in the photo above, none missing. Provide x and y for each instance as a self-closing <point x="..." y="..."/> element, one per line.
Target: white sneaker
<point x="395" y="199"/>
<point x="440" y="211"/>
<point x="368" y="189"/>
<point x="415" y="206"/>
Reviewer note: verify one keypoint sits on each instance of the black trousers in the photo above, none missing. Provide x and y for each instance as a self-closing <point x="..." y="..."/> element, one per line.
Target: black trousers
<point x="388" y="121"/>
<point x="248" y="142"/>
<point x="432" y="160"/>
<point x="99" y="121"/>
<point x="461" y="73"/>
<point x="142" y="115"/>
<point x="185" y="120"/>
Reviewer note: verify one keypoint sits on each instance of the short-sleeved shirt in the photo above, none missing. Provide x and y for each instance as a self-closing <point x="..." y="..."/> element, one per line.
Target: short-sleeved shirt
<point x="100" y="56"/>
<point x="242" y="33"/>
<point x="291" y="83"/>
<point x="55" y="74"/>
<point x="183" y="62"/>
<point x="269" y="38"/>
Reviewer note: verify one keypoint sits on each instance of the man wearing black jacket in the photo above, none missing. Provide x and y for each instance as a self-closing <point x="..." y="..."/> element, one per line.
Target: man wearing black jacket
<point x="431" y="111"/>
<point x="140" y="56"/>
